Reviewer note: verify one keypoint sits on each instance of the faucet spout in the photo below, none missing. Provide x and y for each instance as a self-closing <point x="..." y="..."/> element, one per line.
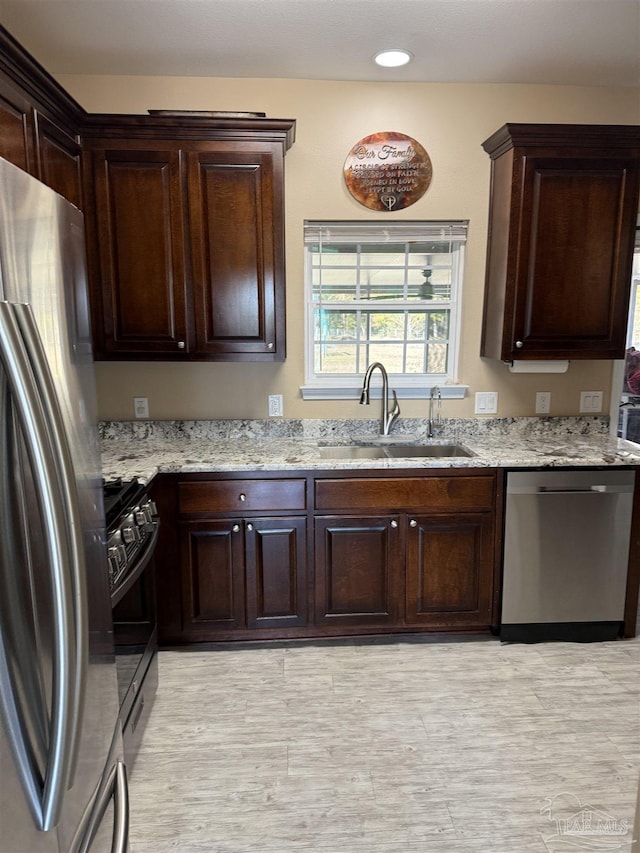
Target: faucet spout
<point x="388" y="416"/>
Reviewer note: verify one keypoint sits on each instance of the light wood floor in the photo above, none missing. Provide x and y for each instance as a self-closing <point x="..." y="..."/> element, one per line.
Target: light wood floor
<point x="422" y="746"/>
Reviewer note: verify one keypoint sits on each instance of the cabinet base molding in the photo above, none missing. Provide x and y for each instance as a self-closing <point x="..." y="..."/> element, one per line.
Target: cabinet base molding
<point x="332" y="633"/>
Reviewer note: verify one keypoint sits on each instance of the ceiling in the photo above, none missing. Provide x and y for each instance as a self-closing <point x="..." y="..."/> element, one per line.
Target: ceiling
<point x="575" y="42"/>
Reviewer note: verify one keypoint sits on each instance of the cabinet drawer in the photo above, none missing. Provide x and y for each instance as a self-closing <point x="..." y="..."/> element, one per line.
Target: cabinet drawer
<point x="241" y="496"/>
<point x="423" y="493"/>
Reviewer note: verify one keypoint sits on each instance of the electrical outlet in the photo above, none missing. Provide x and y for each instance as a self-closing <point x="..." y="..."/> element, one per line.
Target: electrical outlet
<point x="486" y="402"/>
<point x="141" y="407"/>
<point x="543" y="402"/>
<point x="275" y="406"/>
<point x="591" y="401"/>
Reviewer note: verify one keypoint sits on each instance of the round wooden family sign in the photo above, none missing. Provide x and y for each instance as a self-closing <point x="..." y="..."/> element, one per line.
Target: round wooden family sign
<point x="387" y="171"/>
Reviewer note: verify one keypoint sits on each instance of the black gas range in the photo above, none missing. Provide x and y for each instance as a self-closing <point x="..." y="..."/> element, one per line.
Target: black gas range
<point x="132" y="528"/>
<point x="132" y="532"/>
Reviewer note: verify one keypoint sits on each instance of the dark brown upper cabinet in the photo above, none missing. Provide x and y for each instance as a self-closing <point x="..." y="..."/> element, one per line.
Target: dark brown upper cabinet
<point x="39" y="122"/>
<point x="237" y="250"/>
<point x="16" y="127"/>
<point x="136" y="238"/>
<point x="185" y="234"/>
<point x="59" y="159"/>
<point x="563" y="209"/>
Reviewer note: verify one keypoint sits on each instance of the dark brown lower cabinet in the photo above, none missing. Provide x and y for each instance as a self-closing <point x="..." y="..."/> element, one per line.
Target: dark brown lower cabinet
<point x="357" y="571"/>
<point x="259" y="557"/>
<point x="424" y="561"/>
<point x="242" y="574"/>
<point x="450" y="570"/>
<point x="212" y="568"/>
<point x="276" y="572"/>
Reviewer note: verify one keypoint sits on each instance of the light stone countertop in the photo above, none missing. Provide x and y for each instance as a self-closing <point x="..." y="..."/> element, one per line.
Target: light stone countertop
<point x="146" y="448"/>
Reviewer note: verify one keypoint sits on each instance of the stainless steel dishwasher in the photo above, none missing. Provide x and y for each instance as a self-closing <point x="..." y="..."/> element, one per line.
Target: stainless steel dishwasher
<point x="566" y="554"/>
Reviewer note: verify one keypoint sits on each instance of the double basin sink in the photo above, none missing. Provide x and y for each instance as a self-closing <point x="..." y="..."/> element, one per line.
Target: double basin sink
<point x="393" y="451"/>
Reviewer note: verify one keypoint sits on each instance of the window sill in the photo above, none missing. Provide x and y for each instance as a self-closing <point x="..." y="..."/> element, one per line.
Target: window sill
<point x="404" y="391"/>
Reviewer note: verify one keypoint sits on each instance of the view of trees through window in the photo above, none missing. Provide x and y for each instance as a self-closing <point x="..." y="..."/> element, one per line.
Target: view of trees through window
<point x="392" y="302"/>
<point x="634" y="325"/>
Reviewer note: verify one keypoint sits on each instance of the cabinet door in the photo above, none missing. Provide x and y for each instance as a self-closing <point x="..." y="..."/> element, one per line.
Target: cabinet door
<point x="59" y="159"/>
<point x="16" y="128"/>
<point x="137" y="258"/>
<point x="573" y="275"/>
<point x="212" y="567"/>
<point x="275" y="572"/>
<point x="357" y="564"/>
<point x="450" y="570"/>
<point x="236" y="219"/>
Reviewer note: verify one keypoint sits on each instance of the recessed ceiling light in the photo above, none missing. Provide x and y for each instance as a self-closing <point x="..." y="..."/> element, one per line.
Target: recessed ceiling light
<point x="393" y="58"/>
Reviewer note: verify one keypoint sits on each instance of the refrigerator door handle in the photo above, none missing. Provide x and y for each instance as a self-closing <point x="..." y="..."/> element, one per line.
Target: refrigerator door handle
<point x="116" y="787"/>
<point x="31" y="414"/>
<point x="15" y="730"/>
<point x="70" y="514"/>
<point x="121" y="816"/>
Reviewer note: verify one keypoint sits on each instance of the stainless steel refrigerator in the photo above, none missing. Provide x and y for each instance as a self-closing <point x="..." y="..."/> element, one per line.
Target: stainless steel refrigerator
<point x="62" y="778"/>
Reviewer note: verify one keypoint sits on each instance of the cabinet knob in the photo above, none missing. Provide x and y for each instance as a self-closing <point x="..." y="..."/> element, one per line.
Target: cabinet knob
<point x="243" y="497"/>
<point x="180" y="344"/>
<point x="269" y="345"/>
<point x="394" y="524"/>
<point x="413" y="523"/>
<point x="236" y="528"/>
<point x="249" y="527"/>
<point x="519" y="344"/>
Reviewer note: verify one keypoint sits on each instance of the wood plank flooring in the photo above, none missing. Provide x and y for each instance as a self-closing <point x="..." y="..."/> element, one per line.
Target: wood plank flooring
<point x="421" y="745"/>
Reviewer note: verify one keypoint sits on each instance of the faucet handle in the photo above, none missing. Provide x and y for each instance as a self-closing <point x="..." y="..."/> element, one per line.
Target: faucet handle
<point x="395" y="411"/>
<point x="391" y="414"/>
<point x="436" y="424"/>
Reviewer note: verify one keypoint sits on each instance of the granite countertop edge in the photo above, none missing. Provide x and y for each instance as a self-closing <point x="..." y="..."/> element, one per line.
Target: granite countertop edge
<point x="134" y="449"/>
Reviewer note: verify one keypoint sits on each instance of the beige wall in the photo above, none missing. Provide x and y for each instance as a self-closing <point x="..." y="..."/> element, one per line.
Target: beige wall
<point x="450" y="121"/>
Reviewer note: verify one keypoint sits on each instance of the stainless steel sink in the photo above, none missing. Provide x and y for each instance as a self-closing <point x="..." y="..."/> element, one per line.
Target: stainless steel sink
<point x="400" y="451"/>
<point x="353" y="452"/>
<point x="393" y="451"/>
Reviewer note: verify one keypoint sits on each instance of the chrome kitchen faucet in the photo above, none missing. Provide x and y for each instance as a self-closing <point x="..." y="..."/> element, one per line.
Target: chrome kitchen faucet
<point x="387" y="417"/>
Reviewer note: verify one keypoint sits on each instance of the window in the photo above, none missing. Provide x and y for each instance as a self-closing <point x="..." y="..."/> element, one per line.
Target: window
<point x="633" y="334"/>
<point x="627" y="423"/>
<point x="387" y="292"/>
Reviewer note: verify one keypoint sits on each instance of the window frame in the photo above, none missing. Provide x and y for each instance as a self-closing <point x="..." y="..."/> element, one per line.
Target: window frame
<point x="634" y="300"/>
<point x="406" y="385"/>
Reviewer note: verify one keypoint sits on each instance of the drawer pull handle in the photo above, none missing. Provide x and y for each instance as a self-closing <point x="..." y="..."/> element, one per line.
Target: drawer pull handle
<point x="243" y="497"/>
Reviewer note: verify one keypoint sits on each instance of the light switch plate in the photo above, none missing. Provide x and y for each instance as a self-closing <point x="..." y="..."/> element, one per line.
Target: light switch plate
<point x="543" y="402"/>
<point x="141" y="407"/>
<point x="275" y="406"/>
<point x="486" y="402"/>
<point x="591" y="401"/>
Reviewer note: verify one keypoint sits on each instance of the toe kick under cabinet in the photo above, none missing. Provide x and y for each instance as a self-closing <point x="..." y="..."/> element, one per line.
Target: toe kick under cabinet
<point x="314" y="555"/>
